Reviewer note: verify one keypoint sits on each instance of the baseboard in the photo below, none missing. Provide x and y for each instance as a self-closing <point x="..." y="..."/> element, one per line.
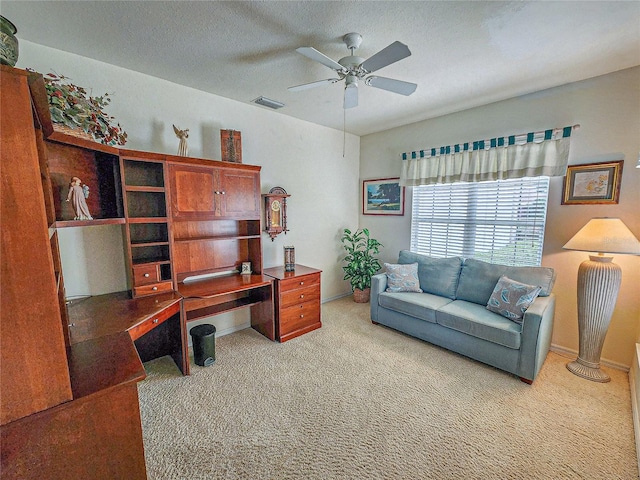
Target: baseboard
<point x="569" y="353"/>
<point x="336" y="297"/>
<point x="634" y="385"/>
<point x="226" y="331"/>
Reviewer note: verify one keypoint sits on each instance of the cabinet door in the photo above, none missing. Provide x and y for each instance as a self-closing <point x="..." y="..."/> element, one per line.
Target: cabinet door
<point x="241" y="194"/>
<point x="34" y="374"/>
<point x="193" y="192"/>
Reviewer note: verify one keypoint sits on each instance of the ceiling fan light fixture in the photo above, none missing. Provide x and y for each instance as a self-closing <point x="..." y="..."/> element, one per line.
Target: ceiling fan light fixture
<point x="267" y="102"/>
<point x="351" y="81"/>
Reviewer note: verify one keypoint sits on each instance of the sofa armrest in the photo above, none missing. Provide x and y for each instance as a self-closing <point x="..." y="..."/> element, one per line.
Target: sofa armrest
<point x="378" y="285"/>
<point x="537" y="327"/>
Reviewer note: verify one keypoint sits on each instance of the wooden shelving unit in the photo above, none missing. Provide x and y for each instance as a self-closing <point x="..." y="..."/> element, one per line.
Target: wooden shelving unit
<point x="147" y="224"/>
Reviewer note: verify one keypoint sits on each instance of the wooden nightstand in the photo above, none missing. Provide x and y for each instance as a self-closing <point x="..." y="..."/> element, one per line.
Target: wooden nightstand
<point x="297" y="300"/>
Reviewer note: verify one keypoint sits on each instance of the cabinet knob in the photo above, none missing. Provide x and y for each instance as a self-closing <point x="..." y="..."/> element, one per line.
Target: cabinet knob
<point x="223" y="192"/>
<point x="301" y="283"/>
<point x="155" y="320"/>
<point x="146" y="275"/>
<point x="154" y="288"/>
<point x="302" y="315"/>
<point x="302" y="296"/>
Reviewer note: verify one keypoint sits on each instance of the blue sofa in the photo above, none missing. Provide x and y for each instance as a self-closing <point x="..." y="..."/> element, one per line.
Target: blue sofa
<point x="451" y="312"/>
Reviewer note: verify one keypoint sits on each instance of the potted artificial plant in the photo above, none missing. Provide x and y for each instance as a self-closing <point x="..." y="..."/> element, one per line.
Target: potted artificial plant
<point x="361" y="262"/>
<point x="72" y="108"/>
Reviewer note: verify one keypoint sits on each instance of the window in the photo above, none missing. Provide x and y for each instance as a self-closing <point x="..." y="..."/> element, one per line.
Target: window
<point x="499" y="221"/>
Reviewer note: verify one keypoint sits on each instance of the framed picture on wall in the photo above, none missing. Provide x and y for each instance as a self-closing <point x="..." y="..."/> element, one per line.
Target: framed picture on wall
<point x="382" y="196"/>
<point x="592" y="183"/>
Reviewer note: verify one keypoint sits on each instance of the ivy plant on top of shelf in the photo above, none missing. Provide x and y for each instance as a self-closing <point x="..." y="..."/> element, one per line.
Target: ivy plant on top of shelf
<point x="71" y="106"/>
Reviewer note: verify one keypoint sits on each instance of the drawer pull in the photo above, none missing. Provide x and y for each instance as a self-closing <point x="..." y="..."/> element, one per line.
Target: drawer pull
<point x="155" y="320"/>
<point x="301" y="283"/>
<point x="154" y="288"/>
<point x="146" y="275"/>
<point x="302" y="296"/>
<point x="302" y="315"/>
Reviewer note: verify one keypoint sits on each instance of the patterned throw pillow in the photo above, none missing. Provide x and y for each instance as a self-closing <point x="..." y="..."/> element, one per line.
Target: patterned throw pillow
<point x="402" y="278"/>
<point x="511" y="299"/>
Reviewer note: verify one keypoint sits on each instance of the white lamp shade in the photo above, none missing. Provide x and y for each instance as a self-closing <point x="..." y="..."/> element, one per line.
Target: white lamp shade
<point x="605" y="235"/>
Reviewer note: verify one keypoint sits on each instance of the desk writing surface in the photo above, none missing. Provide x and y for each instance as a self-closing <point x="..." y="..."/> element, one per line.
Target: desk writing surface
<point x="103" y="315"/>
<point x="102" y="363"/>
<point x="222" y="285"/>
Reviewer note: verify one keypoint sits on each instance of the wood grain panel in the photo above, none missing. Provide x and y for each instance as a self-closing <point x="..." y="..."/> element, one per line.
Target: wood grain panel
<point x="297" y="316"/>
<point x="34" y="374"/>
<point x="97" y="437"/>
<point x="192" y="191"/>
<point x="241" y="197"/>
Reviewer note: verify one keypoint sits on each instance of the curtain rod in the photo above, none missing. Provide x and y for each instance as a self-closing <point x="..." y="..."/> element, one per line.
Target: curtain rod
<point x="492" y="142"/>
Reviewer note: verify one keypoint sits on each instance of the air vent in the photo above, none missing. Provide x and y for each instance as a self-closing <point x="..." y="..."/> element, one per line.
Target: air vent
<point x="267" y="102"/>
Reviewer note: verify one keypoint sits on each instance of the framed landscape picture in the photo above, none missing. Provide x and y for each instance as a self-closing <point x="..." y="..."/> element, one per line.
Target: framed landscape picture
<point x="382" y="196"/>
<point x="592" y="183"/>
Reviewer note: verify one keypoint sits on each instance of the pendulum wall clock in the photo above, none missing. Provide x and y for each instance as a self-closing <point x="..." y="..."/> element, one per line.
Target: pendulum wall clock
<point x="275" y="211"/>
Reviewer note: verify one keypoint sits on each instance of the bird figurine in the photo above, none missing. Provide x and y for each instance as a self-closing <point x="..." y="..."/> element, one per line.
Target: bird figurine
<point x="183" y="149"/>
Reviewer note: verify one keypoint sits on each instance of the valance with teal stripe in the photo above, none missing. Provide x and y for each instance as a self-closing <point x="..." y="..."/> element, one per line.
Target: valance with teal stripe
<point x="544" y="153"/>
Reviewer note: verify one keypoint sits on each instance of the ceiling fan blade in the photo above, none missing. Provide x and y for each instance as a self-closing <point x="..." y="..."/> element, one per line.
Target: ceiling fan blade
<point x="306" y="86"/>
<point x="395" y="86"/>
<point x="350" y="96"/>
<point x="391" y="54"/>
<point x="315" y="55"/>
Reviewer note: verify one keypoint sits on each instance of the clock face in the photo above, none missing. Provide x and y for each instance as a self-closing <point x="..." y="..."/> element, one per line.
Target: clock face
<point x="275" y="205"/>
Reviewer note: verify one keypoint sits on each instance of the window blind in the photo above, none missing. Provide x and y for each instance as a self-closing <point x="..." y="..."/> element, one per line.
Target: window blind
<point x="499" y="221"/>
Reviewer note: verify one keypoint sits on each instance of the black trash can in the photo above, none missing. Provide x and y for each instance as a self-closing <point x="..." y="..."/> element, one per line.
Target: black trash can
<point x="204" y="344"/>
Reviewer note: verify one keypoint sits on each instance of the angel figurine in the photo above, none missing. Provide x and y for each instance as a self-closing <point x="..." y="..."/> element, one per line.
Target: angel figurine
<point x="183" y="150"/>
<point x="78" y="193"/>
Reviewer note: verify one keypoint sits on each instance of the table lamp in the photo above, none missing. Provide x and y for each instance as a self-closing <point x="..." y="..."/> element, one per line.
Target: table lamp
<point x="598" y="285"/>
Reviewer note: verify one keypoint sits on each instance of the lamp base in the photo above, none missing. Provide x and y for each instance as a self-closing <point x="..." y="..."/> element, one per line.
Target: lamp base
<point x="585" y="371"/>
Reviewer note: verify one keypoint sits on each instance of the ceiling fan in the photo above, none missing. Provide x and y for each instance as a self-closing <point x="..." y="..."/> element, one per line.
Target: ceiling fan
<point x="351" y="69"/>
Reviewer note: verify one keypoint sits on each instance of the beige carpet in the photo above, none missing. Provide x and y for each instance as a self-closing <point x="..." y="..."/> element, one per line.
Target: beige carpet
<point x="358" y="401"/>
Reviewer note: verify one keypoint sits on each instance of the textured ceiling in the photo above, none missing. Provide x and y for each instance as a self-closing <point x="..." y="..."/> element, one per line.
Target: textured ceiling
<point x="464" y="54"/>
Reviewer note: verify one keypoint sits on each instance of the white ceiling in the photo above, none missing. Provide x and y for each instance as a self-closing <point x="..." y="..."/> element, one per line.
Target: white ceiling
<point x="464" y="54"/>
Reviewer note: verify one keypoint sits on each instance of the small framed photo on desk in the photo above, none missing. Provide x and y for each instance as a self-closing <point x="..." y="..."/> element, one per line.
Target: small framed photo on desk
<point x="246" y="268"/>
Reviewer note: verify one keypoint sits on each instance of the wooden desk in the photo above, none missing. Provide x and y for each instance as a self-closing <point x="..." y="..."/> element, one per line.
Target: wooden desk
<point x="154" y="323"/>
<point x="216" y="295"/>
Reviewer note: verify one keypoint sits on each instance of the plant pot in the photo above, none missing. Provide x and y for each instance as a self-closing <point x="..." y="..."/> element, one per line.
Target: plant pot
<point x="8" y="43"/>
<point x="361" y="296"/>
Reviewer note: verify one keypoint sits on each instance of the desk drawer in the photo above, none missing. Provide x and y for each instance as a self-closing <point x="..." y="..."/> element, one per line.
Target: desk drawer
<point x="304" y="281"/>
<point x="299" y="316"/>
<point x="152" y="322"/>
<point x="153" y="289"/>
<point x="299" y="295"/>
<point x="145" y="274"/>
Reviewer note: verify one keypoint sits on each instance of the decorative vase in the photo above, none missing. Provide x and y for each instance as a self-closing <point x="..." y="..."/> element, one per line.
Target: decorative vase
<point x="361" y="296"/>
<point x="8" y="42"/>
<point x="289" y="259"/>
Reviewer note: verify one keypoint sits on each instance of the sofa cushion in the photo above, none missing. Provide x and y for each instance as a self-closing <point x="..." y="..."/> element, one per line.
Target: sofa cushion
<point x="511" y="299"/>
<point x="478" y="279"/>
<point x="402" y="278"/>
<point x="422" y="306"/>
<point x="437" y="275"/>
<point x="477" y="321"/>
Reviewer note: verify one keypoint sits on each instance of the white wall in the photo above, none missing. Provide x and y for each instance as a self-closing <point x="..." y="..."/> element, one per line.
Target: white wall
<point x="305" y="159"/>
<point x="608" y="110"/>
